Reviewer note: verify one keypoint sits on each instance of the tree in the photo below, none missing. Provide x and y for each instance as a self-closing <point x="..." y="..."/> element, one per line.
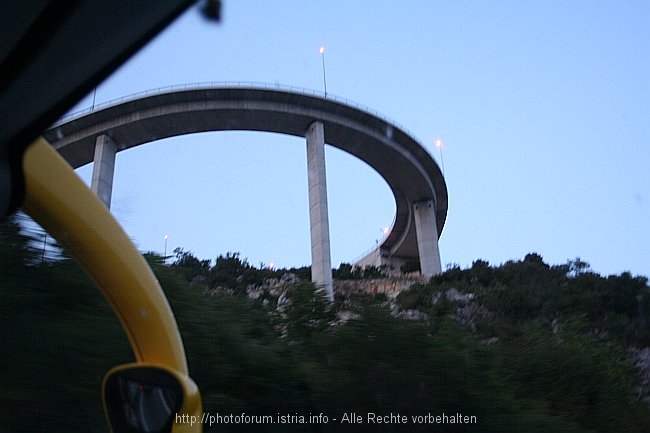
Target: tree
<point x="190" y="266"/>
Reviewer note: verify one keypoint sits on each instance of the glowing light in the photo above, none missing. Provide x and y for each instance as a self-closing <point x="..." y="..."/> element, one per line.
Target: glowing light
<point x="322" y="50"/>
<point x="166" y="236"/>
<point x="271" y="266"/>
<point x="442" y="160"/>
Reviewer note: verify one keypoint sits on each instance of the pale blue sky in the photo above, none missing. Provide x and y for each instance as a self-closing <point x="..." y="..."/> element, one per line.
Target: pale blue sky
<point x="543" y="108"/>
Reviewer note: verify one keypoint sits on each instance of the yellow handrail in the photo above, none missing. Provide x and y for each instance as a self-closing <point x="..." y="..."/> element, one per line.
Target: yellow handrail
<point x="62" y="204"/>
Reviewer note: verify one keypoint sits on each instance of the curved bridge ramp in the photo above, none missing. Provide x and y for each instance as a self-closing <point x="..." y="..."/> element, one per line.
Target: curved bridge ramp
<point x="412" y="174"/>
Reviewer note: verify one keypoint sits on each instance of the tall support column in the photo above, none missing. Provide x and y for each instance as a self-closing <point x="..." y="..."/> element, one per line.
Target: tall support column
<point x="321" y="261"/>
<point x="103" y="168"/>
<point x="427" y="234"/>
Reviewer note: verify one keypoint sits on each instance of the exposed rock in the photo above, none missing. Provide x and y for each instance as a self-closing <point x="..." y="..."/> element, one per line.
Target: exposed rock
<point x="343" y="316"/>
<point x="641" y="359"/>
<point x="468" y="312"/>
<point x="412" y="315"/>
<point x="455" y="295"/>
<point x="489" y="341"/>
<point x="389" y="286"/>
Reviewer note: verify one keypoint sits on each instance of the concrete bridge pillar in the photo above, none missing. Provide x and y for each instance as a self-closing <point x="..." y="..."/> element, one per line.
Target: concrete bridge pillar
<point x="103" y="168"/>
<point x="321" y="261"/>
<point x="427" y="235"/>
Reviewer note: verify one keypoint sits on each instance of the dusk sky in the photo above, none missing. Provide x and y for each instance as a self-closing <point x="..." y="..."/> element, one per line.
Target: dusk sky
<point x="543" y="109"/>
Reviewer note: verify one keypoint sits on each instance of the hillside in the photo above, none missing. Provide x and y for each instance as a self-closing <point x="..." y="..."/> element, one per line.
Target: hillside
<point x="523" y="346"/>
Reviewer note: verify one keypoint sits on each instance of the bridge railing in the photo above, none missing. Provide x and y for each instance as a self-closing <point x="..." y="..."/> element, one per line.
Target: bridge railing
<point x="216" y="84"/>
<point x="241" y="84"/>
<point x="378" y="243"/>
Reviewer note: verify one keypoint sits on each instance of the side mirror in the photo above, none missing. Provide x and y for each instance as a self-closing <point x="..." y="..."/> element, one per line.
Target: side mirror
<point x="140" y="398"/>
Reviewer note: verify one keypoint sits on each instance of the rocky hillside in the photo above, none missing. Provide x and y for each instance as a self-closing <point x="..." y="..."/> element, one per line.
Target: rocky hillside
<point x="521" y="347"/>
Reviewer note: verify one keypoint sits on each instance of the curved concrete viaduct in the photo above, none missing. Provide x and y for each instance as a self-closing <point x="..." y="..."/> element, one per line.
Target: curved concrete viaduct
<point x="411" y="173"/>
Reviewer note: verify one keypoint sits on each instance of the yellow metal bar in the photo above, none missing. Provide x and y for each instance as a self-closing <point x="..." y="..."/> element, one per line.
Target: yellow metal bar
<point x="60" y="202"/>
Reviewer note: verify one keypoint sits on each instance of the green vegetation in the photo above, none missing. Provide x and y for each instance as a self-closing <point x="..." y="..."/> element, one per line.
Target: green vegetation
<point x="524" y="347"/>
<point x="346" y="271"/>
